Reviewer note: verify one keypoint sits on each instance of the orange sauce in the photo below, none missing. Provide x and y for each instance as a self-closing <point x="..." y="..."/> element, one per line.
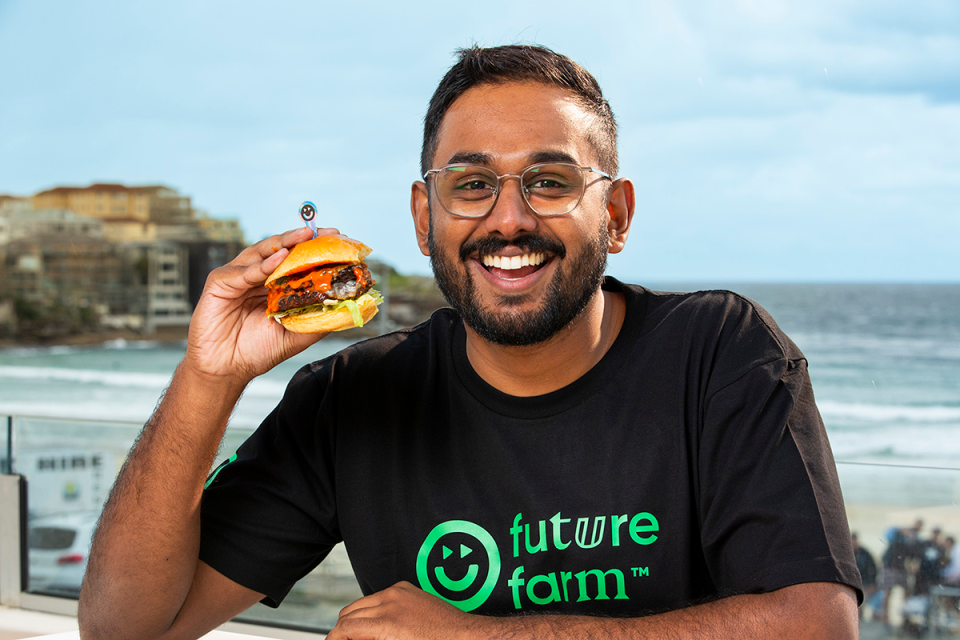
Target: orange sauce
<point x="316" y="280"/>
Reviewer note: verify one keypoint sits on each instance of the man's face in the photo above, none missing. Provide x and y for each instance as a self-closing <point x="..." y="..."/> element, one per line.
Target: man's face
<point x="507" y="128"/>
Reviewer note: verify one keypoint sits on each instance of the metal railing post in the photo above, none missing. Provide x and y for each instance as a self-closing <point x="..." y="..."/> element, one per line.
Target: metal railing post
<point x="13" y="566"/>
<point x="9" y="452"/>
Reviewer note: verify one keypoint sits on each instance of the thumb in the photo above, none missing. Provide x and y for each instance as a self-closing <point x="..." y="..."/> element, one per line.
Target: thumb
<point x="293" y="343"/>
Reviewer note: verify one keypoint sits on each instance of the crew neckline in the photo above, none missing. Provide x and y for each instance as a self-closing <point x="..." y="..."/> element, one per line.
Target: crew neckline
<point x="565" y="398"/>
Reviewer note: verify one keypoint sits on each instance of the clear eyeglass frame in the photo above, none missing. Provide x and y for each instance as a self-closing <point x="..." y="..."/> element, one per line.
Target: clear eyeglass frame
<point x="479" y="212"/>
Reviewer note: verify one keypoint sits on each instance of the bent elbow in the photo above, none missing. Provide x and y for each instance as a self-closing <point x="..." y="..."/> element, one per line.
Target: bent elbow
<point x="823" y="610"/>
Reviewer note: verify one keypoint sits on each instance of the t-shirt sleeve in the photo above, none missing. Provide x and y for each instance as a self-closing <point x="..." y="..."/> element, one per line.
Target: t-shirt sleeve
<point x="268" y="514"/>
<point x="771" y="510"/>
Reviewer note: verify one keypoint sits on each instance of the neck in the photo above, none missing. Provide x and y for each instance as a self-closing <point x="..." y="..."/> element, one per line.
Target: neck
<point x="541" y="368"/>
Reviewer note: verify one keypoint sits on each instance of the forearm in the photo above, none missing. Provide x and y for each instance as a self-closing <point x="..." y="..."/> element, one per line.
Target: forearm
<point x="803" y="612"/>
<point x="145" y="552"/>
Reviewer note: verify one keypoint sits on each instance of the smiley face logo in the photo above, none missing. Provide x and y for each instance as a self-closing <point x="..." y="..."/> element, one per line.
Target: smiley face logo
<point x="452" y="549"/>
<point x="308" y="211"/>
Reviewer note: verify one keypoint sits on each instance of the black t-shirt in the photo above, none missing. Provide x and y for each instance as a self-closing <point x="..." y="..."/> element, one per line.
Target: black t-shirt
<point x="690" y="463"/>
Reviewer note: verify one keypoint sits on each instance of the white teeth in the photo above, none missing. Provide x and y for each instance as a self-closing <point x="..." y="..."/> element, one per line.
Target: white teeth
<point x="515" y="262"/>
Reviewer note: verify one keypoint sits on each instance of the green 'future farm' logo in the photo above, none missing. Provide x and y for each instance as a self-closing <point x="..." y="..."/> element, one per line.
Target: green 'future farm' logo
<point x="459" y="561"/>
<point x="460" y="554"/>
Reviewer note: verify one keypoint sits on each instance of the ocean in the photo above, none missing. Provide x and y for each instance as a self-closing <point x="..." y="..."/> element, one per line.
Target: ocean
<point x="884" y="360"/>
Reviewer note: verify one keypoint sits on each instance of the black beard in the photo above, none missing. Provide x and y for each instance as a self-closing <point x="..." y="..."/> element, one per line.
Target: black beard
<point x="567" y="296"/>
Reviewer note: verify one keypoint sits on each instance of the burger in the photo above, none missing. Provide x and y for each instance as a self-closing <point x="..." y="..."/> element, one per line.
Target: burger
<point x="323" y="285"/>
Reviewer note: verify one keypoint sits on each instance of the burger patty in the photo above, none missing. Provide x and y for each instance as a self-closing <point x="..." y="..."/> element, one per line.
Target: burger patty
<point x="318" y="285"/>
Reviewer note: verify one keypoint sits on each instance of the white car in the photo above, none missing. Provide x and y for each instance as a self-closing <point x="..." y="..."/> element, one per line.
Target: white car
<point x="59" y="548"/>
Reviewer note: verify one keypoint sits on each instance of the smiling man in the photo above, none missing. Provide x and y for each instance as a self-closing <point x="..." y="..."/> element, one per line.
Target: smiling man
<point x="604" y="459"/>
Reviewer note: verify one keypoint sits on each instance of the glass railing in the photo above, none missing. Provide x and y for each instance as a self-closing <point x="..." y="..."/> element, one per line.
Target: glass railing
<point x="70" y="466"/>
<point x="906" y="518"/>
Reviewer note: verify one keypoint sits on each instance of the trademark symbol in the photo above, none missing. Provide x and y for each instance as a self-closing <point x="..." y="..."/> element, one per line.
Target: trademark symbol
<point x="640" y="572"/>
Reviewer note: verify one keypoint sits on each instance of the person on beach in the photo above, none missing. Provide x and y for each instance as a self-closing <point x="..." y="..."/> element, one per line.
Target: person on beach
<point x="559" y="455"/>
<point x="932" y="560"/>
<point x="951" y="572"/>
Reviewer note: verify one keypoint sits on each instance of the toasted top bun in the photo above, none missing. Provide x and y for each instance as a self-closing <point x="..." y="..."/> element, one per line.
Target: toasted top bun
<point x="321" y="320"/>
<point x="326" y="249"/>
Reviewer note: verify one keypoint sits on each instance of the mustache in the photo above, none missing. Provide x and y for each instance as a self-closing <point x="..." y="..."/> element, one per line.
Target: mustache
<point x="528" y="244"/>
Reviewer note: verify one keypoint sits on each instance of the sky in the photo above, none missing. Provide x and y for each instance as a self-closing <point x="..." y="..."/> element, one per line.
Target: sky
<point x="769" y="140"/>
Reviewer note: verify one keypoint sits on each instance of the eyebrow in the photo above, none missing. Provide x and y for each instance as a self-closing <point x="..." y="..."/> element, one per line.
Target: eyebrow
<point x="485" y="159"/>
<point x="470" y="158"/>
<point x="552" y="156"/>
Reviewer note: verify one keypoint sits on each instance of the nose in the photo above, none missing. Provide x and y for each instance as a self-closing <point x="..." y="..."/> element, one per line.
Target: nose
<point x="511" y="215"/>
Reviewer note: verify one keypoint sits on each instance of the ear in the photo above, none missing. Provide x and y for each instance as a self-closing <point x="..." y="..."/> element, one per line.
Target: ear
<point x="420" y="208"/>
<point x="620" y="208"/>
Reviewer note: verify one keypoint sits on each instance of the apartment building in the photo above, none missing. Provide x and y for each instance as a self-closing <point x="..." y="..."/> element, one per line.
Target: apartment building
<point x="131" y="257"/>
<point x="62" y="280"/>
<point x="108" y="201"/>
<point x="160" y="295"/>
<point x="130" y="214"/>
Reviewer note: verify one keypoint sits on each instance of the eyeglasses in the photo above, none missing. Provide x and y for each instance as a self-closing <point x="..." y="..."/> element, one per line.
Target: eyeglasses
<point x="549" y="188"/>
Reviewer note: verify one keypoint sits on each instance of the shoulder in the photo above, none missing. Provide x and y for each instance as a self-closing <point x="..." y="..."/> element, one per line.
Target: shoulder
<point x="726" y="314"/>
<point x="723" y="330"/>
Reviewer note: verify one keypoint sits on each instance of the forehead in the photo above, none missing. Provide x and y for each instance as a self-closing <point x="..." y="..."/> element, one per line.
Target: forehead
<point x="511" y="123"/>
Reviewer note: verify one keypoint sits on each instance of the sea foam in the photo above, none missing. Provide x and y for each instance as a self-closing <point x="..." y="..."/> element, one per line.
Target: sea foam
<point x="831" y="410"/>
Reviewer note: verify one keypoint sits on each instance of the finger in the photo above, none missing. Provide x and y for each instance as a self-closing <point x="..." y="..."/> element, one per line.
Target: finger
<point x="268" y="257"/>
<point x="271" y="262"/>
<point x="366" y="602"/>
<point x="358" y="629"/>
<point x="363" y="629"/>
<point x="289" y="239"/>
<point x="277" y="243"/>
<point x="236" y="282"/>
<point x="294" y="343"/>
<point x="269" y="246"/>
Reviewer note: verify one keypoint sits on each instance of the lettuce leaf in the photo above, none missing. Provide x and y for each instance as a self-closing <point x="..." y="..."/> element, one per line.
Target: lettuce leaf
<point x="354" y="309"/>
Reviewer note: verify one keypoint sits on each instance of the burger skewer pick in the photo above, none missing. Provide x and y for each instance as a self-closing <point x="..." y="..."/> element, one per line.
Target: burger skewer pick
<point x="308" y="211"/>
<point x="323" y="285"/>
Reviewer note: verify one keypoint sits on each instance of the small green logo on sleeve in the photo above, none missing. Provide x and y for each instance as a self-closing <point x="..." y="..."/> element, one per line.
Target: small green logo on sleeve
<point x="216" y="472"/>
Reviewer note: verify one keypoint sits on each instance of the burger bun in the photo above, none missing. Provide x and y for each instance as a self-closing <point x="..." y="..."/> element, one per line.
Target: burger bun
<point x="325" y="249"/>
<point x="325" y="320"/>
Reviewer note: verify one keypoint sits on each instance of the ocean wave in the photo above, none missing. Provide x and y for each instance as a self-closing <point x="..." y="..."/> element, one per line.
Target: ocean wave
<point x="56" y="350"/>
<point x="127" y="345"/>
<point x="930" y="445"/>
<point x="122" y="379"/>
<point x="135" y="413"/>
<point x="819" y="345"/>
<point x="88" y="376"/>
<point x="888" y="413"/>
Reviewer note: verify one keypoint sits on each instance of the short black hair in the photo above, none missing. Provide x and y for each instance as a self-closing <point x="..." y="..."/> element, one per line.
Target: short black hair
<point x="521" y="63"/>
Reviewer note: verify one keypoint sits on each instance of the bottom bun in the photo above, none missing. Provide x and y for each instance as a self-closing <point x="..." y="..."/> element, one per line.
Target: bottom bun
<point x="322" y="320"/>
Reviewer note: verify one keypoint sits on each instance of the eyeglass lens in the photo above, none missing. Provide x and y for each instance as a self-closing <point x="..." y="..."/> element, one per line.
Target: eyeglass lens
<point x="549" y="189"/>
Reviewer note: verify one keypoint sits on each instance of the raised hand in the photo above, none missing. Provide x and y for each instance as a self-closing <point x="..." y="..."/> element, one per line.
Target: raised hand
<point x="230" y="335"/>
